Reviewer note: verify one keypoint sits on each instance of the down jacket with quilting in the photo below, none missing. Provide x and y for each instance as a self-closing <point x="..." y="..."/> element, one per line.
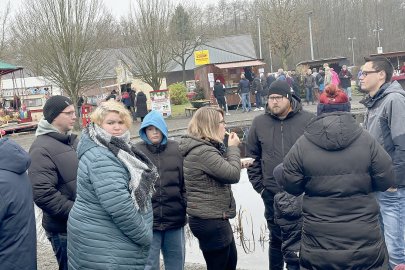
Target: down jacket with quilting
<point x="339" y="166"/>
<point x="208" y="176"/>
<point x="105" y="231"/>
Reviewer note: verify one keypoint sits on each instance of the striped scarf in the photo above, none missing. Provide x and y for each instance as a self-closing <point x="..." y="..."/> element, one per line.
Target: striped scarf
<point x="142" y="171"/>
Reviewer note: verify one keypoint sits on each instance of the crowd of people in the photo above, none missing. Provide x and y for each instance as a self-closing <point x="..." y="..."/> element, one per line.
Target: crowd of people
<point x="333" y="191"/>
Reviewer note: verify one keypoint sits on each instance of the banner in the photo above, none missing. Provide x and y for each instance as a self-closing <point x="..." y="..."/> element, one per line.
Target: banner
<point x="201" y="57"/>
<point x="160" y="101"/>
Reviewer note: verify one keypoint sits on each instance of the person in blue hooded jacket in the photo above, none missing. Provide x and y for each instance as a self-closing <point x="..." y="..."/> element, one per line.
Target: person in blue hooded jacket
<point x="18" y="241"/>
<point x="168" y="200"/>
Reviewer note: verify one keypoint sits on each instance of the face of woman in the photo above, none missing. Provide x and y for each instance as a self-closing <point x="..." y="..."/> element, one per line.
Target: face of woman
<point x="221" y="127"/>
<point x="113" y="124"/>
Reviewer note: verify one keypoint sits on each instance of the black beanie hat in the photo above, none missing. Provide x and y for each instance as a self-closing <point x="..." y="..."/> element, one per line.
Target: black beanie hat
<point x="54" y="106"/>
<point x="280" y="88"/>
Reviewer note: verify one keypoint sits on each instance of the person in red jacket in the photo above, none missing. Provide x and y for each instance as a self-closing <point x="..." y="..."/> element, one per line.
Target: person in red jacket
<point x="333" y="96"/>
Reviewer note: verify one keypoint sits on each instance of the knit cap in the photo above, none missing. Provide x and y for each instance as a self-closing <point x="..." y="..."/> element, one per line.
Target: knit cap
<point x="280" y="88"/>
<point x="54" y="106"/>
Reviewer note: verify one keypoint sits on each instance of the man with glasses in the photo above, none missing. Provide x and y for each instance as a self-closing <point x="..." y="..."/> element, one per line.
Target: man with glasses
<point x="53" y="171"/>
<point x="271" y="136"/>
<point x="385" y="103"/>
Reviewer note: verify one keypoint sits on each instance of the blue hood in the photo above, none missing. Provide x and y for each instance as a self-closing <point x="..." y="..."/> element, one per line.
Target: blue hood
<point x="12" y="157"/>
<point x="154" y="118"/>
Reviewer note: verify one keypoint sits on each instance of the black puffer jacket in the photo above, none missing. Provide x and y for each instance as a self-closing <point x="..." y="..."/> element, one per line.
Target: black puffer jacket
<point x="339" y="166"/>
<point x="169" y="203"/>
<point x="141" y="106"/>
<point x="53" y="173"/>
<point x="208" y="176"/>
<point x="269" y="140"/>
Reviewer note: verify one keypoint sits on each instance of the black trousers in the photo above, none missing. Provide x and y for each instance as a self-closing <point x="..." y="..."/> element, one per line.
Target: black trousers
<point x="221" y="103"/>
<point x="222" y="259"/>
<point x="276" y="261"/>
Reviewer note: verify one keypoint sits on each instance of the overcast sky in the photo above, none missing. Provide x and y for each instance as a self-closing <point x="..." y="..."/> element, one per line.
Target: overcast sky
<point x="118" y="7"/>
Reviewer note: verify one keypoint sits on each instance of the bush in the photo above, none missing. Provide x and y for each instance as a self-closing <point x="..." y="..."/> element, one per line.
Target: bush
<point x="178" y="93"/>
<point x="199" y="92"/>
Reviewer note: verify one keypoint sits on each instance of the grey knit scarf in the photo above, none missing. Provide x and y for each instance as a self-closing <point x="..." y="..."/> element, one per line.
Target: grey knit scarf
<point x="142" y="171"/>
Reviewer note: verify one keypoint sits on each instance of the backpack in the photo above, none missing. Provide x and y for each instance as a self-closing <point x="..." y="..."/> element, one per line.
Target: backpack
<point x="319" y="79"/>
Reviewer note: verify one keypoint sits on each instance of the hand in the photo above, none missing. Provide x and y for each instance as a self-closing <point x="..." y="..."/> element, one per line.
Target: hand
<point x="233" y="139"/>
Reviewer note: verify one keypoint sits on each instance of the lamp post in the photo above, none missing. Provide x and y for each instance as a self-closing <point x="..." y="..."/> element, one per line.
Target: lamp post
<point x="377" y="30"/>
<point x="260" y="37"/>
<point x="310" y="34"/>
<point x="352" y="40"/>
<point x="271" y="59"/>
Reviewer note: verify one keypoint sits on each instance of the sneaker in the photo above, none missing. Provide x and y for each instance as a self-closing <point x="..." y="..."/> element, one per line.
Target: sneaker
<point x="261" y="108"/>
<point x="257" y="109"/>
<point x="227" y="113"/>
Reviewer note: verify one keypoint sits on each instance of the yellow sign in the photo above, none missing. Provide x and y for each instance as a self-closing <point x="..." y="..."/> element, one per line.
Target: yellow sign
<point x="201" y="57"/>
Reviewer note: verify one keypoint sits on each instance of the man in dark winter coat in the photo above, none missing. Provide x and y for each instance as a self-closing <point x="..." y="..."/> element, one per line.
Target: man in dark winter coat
<point x="244" y="91"/>
<point x="270" y="138"/>
<point x="339" y="166"/>
<point x="257" y="90"/>
<point x="384" y="119"/>
<point x="169" y="202"/>
<point x="18" y="240"/>
<point x="53" y="171"/>
<point x="219" y="94"/>
<point x="346" y="81"/>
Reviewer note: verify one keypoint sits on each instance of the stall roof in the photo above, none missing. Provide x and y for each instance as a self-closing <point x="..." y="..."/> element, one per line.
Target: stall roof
<point x="390" y="54"/>
<point x="241" y="64"/>
<point x="322" y="61"/>
<point x="7" y="68"/>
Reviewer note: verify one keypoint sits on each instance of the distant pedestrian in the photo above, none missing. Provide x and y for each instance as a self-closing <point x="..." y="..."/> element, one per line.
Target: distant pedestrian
<point x="53" y="171"/>
<point x="345" y="77"/>
<point x="257" y="90"/>
<point x="169" y="197"/>
<point x="244" y="91"/>
<point x="18" y="240"/>
<point x="219" y="94"/>
<point x="309" y="83"/>
<point x="141" y="105"/>
<point x="112" y="95"/>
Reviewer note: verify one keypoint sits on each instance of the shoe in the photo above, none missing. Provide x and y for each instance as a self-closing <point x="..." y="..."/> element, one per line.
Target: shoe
<point x="261" y="109"/>
<point x="227" y="114"/>
<point x="257" y="109"/>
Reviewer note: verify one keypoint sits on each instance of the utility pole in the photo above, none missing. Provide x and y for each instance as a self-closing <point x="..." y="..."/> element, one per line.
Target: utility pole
<point x="271" y="59"/>
<point x="377" y="31"/>
<point x="310" y="34"/>
<point x="260" y="36"/>
<point x="352" y="40"/>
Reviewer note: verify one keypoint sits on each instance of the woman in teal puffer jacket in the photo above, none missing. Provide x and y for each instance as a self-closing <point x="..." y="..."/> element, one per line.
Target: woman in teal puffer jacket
<point x="110" y="224"/>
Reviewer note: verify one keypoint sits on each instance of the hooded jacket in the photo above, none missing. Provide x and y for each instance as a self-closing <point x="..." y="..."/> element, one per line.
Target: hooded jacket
<point x="18" y="242"/>
<point x="270" y="138"/>
<point x="339" y="166"/>
<point x="141" y="106"/>
<point x="208" y="176"/>
<point x="168" y="201"/>
<point x="53" y="173"/>
<point x="219" y="90"/>
<point x="384" y="121"/>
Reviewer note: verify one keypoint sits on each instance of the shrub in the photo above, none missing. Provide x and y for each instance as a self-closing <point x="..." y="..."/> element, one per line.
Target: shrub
<point x="178" y="93"/>
<point x="199" y="92"/>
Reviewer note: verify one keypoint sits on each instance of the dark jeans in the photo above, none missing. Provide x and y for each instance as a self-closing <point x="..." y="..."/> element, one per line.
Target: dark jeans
<point x="222" y="259"/>
<point x="276" y="261"/>
<point x="59" y="246"/>
<point x="221" y="103"/>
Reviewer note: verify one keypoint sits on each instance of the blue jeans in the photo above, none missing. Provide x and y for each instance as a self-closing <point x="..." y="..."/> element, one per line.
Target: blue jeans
<point x="59" y="243"/>
<point x="392" y="208"/>
<point x="309" y="97"/>
<point x="348" y="91"/>
<point x="246" y="102"/>
<point x="258" y="100"/>
<point x="172" y="244"/>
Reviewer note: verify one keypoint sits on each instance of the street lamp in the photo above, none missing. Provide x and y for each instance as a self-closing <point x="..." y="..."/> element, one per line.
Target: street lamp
<point x="260" y="36"/>
<point x="310" y="34"/>
<point x="377" y="30"/>
<point x="352" y="40"/>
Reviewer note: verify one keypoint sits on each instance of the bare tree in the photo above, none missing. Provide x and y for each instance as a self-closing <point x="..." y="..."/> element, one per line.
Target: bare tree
<point x="184" y="39"/>
<point x="4" y="25"/>
<point x="147" y="53"/>
<point x="60" y="37"/>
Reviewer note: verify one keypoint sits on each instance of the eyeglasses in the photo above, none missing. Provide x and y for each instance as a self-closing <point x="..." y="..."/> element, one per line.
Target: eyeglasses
<point x="278" y="98"/>
<point x="70" y="113"/>
<point x="222" y="122"/>
<point x="364" y="73"/>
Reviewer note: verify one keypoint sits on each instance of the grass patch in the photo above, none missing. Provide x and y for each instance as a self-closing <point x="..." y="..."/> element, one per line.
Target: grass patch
<point x="178" y="110"/>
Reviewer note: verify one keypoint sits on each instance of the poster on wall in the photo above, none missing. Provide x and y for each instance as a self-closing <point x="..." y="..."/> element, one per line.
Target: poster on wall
<point x="160" y="101"/>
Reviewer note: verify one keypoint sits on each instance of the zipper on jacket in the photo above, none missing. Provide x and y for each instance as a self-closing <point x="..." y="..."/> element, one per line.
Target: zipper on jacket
<point x="282" y="138"/>
<point x="160" y="192"/>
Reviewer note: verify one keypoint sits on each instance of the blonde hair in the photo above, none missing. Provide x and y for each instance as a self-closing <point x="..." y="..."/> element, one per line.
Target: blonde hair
<point x="205" y="124"/>
<point x="106" y="107"/>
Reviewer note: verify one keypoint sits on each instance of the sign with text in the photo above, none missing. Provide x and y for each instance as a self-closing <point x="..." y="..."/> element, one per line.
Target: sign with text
<point x="201" y="57"/>
<point x="160" y="101"/>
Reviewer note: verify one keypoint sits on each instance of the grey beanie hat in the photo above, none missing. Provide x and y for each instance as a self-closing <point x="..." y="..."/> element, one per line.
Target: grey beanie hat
<point x="281" y="88"/>
<point x="54" y="106"/>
